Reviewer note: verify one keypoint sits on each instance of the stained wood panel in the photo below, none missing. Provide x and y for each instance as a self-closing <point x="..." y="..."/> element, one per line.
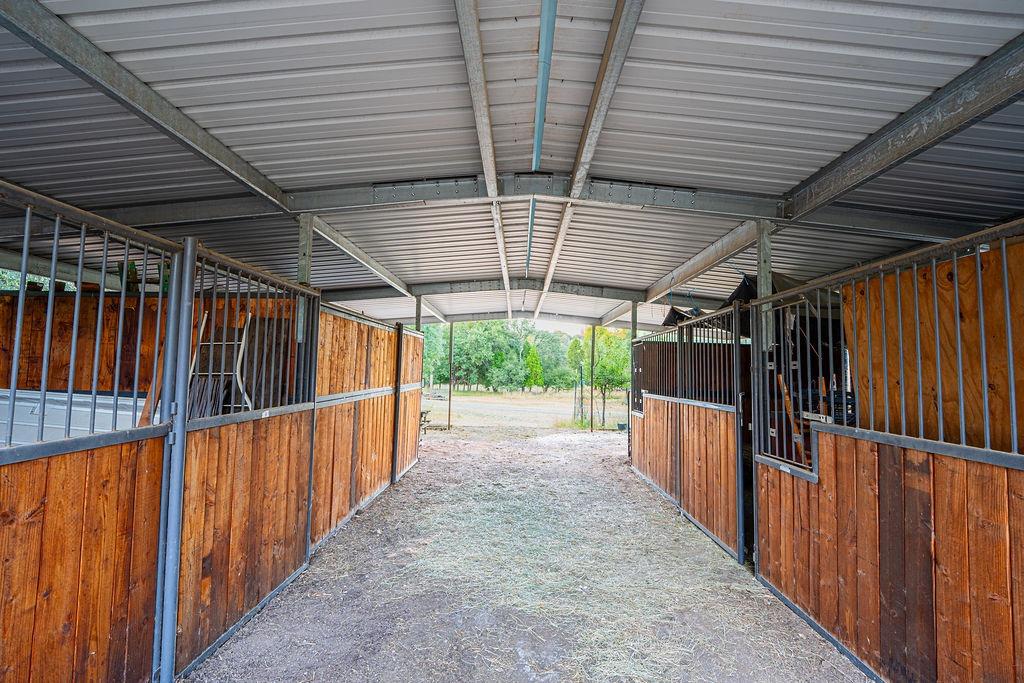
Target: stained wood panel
<point x="412" y="359"/>
<point x="332" y="468"/>
<point x="882" y="310"/>
<point x="373" y="446"/>
<point x="78" y="555"/>
<point x="918" y="568"/>
<point x="408" y="430"/>
<point x="656" y="460"/>
<point x="708" y="470"/>
<point x="243" y="522"/>
<point x="31" y="360"/>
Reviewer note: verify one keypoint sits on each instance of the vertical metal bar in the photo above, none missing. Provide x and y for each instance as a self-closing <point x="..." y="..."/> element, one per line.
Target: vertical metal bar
<point x="983" y="343"/>
<point x="48" y="333"/>
<point x="959" y="351"/>
<point x="899" y="324"/>
<point x="938" y="352"/>
<point x="738" y="416"/>
<point x="175" y="491"/>
<point x="254" y="347"/>
<point x="451" y="369"/>
<point x="234" y="340"/>
<point x="917" y="351"/>
<point x="871" y="351"/>
<point x="269" y="339"/>
<point x="396" y="425"/>
<point x="139" y="319"/>
<point x="19" y="323"/>
<point x="119" y="343"/>
<point x="854" y="383"/>
<point x="224" y="378"/>
<point x="1010" y="360"/>
<point x="593" y="349"/>
<point x="100" y="304"/>
<point x="883" y="340"/>
<point x="208" y="393"/>
<point x="170" y="344"/>
<point x="158" y="324"/>
<point x="73" y="355"/>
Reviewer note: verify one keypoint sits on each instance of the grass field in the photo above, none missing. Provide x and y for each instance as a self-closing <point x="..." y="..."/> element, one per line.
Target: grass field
<point x="531" y="410"/>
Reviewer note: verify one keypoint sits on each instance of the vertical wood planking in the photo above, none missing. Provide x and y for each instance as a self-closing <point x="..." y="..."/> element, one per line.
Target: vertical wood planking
<point x="952" y="575"/>
<point x="920" y="594"/>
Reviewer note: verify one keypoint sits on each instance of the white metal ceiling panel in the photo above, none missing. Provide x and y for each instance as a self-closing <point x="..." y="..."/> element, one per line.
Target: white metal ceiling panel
<point x="755" y="95"/>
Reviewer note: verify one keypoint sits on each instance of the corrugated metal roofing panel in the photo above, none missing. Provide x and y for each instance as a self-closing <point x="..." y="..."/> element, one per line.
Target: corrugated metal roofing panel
<point x="60" y="137"/>
<point x="515" y="219"/>
<point x="756" y="95"/>
<point x="388" y="310"/>
<point x="630" y="247"/>
<point x="426" y="243"/>
<point x="311" y="93"/>
<point x="976" y="174"/>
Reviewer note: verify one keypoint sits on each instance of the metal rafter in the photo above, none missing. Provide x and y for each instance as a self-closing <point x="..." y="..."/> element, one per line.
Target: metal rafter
<point x="550" y="188"/>
<point x="472" y="50"/>
<point x="334" y="236"/>
<point x="48" y="33"/>
<point x="500" y="315"/>
<point x="620" y="34"/>
<point x="993" y="83"/>
<point x="719" y="251"/>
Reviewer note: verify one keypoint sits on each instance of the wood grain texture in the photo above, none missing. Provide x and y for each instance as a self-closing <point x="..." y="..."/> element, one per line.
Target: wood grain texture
<point x="919" y="558"/>
<point x="244" y="522"/>
<point x="78" y="537"/>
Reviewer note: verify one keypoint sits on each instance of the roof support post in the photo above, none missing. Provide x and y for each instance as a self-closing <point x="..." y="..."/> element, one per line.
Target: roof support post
<point x="419" y="313"/>
<point x="632" y="321"/>
<point x="991" y="84"/>
<point x="764" y="278"/>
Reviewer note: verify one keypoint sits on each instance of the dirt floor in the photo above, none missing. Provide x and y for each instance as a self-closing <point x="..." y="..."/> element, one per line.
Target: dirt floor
<point x="515" y="554"/>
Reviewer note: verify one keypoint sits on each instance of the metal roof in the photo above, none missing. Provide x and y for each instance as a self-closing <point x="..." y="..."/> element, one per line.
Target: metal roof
<point x="736" y="101"/>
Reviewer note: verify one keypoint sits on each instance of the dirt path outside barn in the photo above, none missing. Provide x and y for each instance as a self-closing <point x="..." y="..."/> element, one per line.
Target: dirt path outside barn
<point x="512" y="555"/>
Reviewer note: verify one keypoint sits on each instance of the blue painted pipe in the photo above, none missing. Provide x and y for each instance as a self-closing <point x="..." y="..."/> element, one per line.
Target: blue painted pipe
<point x="176" y="485"/>
<point x="546" y="42"/>
<point x="548" y="12"/>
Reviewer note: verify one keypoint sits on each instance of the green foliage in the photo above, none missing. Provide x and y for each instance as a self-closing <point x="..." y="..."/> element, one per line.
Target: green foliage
<point x="501" y="355"/>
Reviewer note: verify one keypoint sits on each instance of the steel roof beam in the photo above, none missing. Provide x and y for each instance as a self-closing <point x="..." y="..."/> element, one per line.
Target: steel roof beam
<point x="334" y="236"/>
<point x="472" y="51"/>
<point x="721" y="250"/>
<point x="500" y="315"/>
<point x="551" y="188"/>
<point x="48" y="33"/>
<point x="467" y="286"/>
<point x="988" y="86"/>
<point x="620" y="34"/>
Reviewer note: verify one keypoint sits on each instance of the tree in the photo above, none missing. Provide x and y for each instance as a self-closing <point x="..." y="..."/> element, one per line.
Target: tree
<point x="611" y="365"/>
<point x="534" y="370"/>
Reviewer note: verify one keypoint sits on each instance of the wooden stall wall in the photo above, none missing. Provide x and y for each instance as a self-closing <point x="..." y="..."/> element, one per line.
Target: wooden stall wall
<point x="243" y="522"/>
<point x="31" y="361"/>
<point x="636" y="439"/>
<point x="409" y="430"/>
<point x="374" y="424"/>
<point x="78" y="558"/>
<point x="877" y="359"/>
<point x="656" y="460"/>
<point x="412" y="358"/>
<point x="914" y="561"/>
<point x="333" y="473"/>
<point x="707" y="453"/>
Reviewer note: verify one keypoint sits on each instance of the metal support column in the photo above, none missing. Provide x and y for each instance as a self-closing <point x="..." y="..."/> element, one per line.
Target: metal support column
<point x="632" y="321"/>
<point x="593" y="346"/>
<point x="764" y="272"/>
<point x="419" y="313"/>
<point x="451" y="369"/>
<point x="397" y="423"/>
<point x="166" y="400"/>
<point x="176" y="483"/>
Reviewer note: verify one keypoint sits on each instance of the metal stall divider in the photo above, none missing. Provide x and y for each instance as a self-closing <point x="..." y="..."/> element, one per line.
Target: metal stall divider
<point x="880" y="394"/>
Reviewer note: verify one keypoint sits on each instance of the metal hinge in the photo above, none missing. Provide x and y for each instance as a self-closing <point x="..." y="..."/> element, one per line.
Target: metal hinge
<point x="172" y="438"/>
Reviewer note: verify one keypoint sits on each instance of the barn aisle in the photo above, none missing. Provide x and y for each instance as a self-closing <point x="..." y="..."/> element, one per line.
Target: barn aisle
<point x="504" y="556"/>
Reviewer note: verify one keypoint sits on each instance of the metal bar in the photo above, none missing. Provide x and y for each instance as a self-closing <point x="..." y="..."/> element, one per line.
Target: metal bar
<point x="544" y="50"/>
<point x="100" y="303"/>
<point x="139" y="319"/>
<point x="119" y="343"/>
<point x="993" y="83"/>
<point x="451" y="369"/>
<point x="899" y="324"/>
<point x="871" y="352"/>
<point x="48" y="332"/>
<point x="468" y="17"/>
<point x="73" y="355"/>
<point x="959" y="352"/>
<point x="593" y="348"/>
<point x="396" y="426"/>
<point x="19" y="321"/>
<point x="175" y="491"/>
<point x="224" y="341"/>
<point x="917" y="351"/>
<point x="1010" y="360"/>
<point x="884" y="343"/>
<point x="170" y="345"/>
<point x="938" y="354"/>
<point x="234" y="340"/>
<point x="983" y="344"/>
